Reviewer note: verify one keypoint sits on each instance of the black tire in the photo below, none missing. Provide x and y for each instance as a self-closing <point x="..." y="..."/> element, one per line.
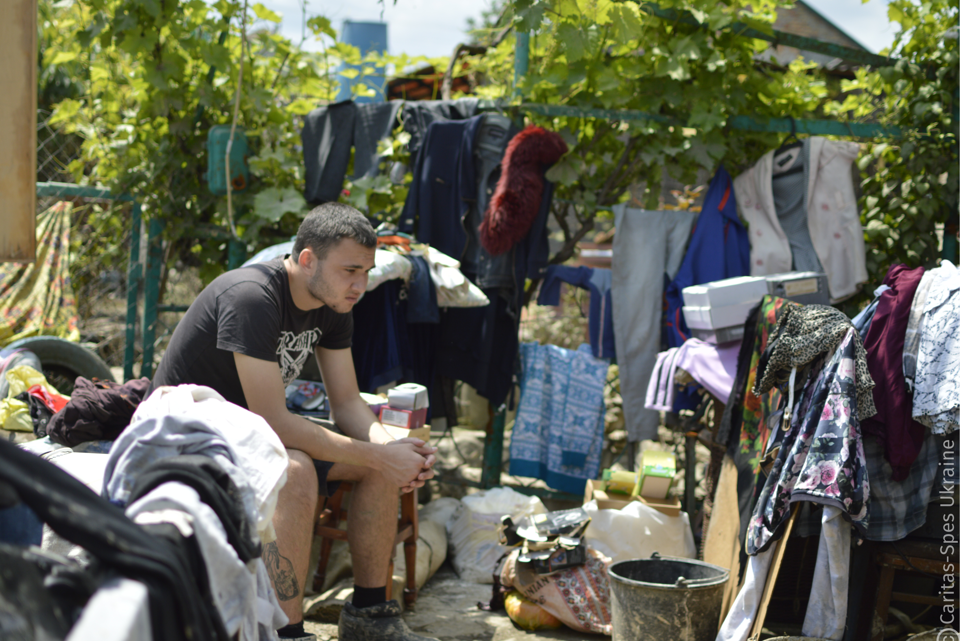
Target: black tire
<point x="64" y="361"/>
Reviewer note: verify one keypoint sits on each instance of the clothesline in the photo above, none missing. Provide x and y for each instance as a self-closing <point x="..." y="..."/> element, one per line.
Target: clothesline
<point x="741" y="122"/>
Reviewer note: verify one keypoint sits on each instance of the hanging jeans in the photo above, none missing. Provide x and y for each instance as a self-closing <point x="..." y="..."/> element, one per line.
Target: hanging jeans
<point x="647" y="246"/>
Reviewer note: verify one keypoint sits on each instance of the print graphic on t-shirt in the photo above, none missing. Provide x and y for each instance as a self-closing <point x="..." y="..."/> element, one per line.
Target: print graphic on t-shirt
<point x="293" y="350"/>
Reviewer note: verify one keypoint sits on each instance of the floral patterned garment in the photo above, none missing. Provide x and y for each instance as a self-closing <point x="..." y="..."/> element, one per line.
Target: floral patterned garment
<point x="936" y="396"/>
<point x="753" y="430"/>
<point x="821" y="459"/>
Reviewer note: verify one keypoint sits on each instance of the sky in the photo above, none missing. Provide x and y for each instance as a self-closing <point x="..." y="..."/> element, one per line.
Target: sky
<point x="435" y="27"/>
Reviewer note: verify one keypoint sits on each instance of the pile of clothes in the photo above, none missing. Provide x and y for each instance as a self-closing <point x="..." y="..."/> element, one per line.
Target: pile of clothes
<point x="169" y="526"/>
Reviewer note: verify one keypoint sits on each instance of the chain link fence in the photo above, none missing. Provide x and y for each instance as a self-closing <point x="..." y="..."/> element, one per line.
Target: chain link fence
<point x="101" y="237"/>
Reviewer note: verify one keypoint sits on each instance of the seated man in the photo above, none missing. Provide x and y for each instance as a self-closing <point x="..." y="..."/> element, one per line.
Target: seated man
<point x="247" y="336"/>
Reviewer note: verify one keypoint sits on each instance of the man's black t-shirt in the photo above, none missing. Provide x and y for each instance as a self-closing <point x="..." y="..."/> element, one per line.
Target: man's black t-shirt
<point x="249" y="311"/>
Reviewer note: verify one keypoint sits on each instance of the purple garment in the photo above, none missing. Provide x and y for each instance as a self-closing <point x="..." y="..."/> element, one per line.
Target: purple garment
<point x="712" y="366"/>
<point x="893" y="425"/>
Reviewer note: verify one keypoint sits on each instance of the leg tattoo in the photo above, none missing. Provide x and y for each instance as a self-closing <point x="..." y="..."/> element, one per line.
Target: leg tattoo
<point x="281" y="573"/>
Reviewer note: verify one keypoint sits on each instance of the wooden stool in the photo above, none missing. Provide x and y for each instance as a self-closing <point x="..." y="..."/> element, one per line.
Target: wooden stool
<point x="328" y="528"/>
<point x="906" y="556"/>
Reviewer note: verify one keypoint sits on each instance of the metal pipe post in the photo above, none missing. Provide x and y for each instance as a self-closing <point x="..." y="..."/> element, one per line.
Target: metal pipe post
<point x="134" y="274"/>
<point x="521" y="60"/>
<point x="493" y="451"/>
<point x="151" y="295"/>
<point x="236" y="253"/>
<point x="690" y="475"/>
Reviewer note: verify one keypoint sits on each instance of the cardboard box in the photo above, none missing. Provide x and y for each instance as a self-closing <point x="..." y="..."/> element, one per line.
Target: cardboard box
<point x="409" y="419"/>
<point x="717" y="317"/>
<point x="669" y="506"/>
<point x="604" y="501"/>
<point x="422" y="433"/>
<point x="657" y="470"/>
<point x="731" y="291"/>
<point x="409" y="396"/>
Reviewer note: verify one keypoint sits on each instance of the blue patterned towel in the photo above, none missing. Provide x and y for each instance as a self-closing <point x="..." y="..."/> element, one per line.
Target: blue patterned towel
<point x="558" y="433"/>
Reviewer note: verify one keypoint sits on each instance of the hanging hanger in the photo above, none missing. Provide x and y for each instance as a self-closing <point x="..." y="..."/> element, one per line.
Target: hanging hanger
<point x="793" y="134"/>
<point x="797" y="167"/>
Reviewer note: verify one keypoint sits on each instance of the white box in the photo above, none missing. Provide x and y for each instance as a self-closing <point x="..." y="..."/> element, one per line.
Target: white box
<point x="732" y="291"/>
<point x="409" y="396"/>
<point x="717" y="317"/>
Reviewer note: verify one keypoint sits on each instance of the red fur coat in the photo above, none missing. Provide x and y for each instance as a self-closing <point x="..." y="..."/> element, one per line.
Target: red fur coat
<point x="516" y="201"/>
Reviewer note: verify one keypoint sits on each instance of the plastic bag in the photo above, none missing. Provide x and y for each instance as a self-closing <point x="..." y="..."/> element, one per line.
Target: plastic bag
<point x="636" y="531"/>
<point x="527" y="614"/>
<point x="473" y="538"/>
<point x="388" y="266"/>
<point x="14" y="414"/>
<point x="453" y="288"/>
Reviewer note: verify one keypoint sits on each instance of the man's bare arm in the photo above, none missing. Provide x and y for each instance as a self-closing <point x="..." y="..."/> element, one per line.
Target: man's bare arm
<point x="347" y="409"/>
<point x="351" y="413"/>
<point x="264" y="391"/>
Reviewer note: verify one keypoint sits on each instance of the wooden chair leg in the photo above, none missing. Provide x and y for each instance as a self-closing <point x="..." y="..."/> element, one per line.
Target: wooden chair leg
<point x="410" y="514"/>
<point x="333" y="506"/>
<point x="390" y="579"/>
<point x="883" y="598"/>
<point x="320" y="575"/>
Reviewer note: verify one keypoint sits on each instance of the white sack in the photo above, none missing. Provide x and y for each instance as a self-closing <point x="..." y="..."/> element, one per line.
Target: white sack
<point x="637" y="531"/>
<point x="472" y="531"/>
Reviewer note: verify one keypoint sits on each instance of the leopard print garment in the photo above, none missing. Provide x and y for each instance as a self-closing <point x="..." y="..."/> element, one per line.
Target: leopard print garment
<point x="802" y="334"/>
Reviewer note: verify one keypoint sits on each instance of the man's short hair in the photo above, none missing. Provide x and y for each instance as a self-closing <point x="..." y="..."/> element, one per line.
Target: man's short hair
<point x="327" y="224"/>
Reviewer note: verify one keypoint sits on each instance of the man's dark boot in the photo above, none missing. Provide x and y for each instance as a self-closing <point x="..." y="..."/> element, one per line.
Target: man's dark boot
<point x="376" y="623"/>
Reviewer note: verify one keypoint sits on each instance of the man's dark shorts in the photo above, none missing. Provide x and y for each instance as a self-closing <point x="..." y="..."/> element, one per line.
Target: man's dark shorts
<point x="324" y="487"/>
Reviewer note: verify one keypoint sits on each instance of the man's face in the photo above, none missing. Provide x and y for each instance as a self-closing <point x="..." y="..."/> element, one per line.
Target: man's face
<point x="340" y="279"/>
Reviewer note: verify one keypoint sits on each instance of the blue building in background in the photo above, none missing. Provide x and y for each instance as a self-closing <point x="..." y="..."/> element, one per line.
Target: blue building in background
<point x="367" y="37"/>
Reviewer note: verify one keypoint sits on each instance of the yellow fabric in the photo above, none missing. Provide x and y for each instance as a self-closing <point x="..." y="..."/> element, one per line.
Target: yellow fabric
<point x="14" y="414"/>
<point x="23" y="377"/>
<point x="37" y="298"/>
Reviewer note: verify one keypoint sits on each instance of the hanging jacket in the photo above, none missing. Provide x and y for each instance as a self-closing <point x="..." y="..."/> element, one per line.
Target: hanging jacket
<point x="718" y="249"/>
<point x="832" y="217"/>
<point x="475" y="345"/>
<point x="901" y="436"/>
<point x="451" y="177"/>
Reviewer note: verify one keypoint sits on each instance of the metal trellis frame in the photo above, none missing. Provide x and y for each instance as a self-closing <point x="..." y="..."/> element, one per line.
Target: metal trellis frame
<point x="134" y="266"/>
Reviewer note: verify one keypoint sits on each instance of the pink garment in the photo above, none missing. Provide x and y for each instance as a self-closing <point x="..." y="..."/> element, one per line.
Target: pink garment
<point x="712" y="366"/>
<point x="660" y="388"/>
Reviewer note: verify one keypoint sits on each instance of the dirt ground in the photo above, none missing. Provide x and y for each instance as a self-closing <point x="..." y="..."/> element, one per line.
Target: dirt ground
<point x="447" y="609"/>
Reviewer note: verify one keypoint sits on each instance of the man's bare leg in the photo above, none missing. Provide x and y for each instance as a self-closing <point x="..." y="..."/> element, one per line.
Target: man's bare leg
<point x="372" y="522"/>
<point x="287" y="558"/>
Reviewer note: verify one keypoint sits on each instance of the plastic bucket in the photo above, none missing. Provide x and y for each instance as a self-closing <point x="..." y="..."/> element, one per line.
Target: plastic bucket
<point x="664" y="598"/>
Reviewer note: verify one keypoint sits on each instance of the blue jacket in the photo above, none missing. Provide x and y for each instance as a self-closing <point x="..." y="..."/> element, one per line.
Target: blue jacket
<point x="597" y="282"/>
<point x="719" y="248"/>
